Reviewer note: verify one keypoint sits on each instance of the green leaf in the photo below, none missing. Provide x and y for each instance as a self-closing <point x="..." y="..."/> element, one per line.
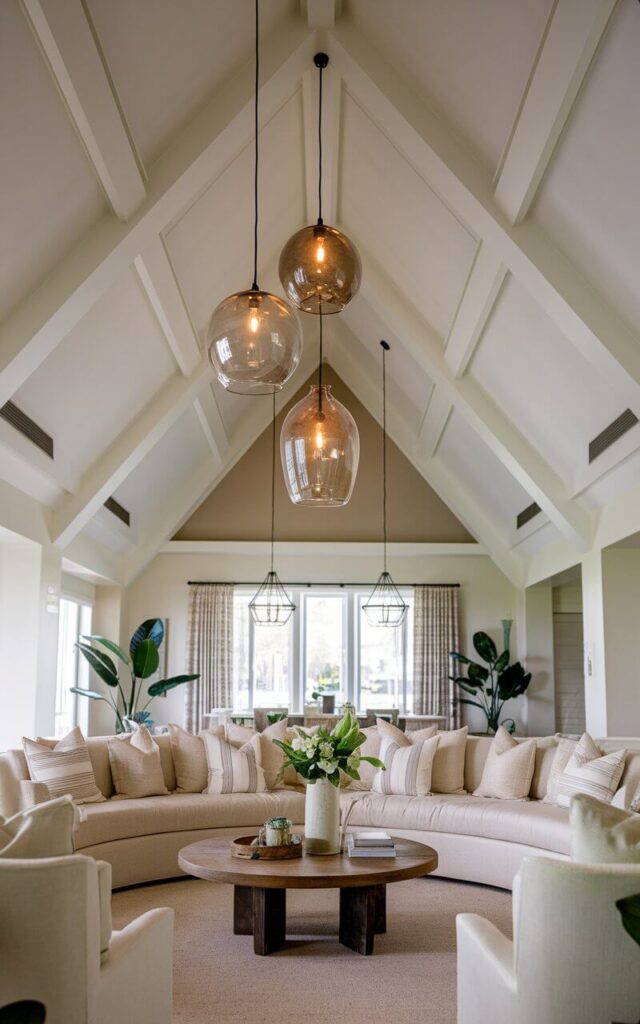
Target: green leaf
<point x="629" y="908"/>
<point x="485" y="647"/>
<point x="513" y="682"/>
<point x="460" y="657"/>
<point x="467" y="687"/>
<point x="150" y="629"/>
<point x="502" y="661"/>
<point x="375" y="761"/>
<point x="110" y="645"/>
<point x="477" y="674"/>
<point x="101" y="664"/>
<point x="164" y="685"/>
<point x="146" y="659"/>
<point x="93" y="694"/>
<point x="473" y="703"/>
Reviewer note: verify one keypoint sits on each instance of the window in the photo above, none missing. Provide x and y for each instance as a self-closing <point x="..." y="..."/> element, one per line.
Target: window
<point x="74" y="621"/>
<point x="327" y="645"/>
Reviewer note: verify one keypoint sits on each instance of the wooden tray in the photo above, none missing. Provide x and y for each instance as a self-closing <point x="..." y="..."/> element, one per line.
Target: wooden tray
<point x="242" y="847"/>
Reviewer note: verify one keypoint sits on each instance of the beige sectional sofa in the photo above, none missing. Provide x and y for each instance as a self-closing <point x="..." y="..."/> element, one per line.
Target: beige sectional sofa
<point x="477" y="839"/>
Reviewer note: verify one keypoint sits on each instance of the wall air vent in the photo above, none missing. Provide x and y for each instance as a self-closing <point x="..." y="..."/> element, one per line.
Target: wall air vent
<point x="612" y="433"/>
<point x="20" y="421"/>
<point x="527" y="514"/>
<point x="116" y="508"/>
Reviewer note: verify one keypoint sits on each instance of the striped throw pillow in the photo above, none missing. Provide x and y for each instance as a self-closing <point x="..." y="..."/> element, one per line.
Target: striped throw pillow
<point x="407" y="769"/>
<point x="589" y="771"/>
<point x="64" y="767"/>
<point x="233" y="769"/>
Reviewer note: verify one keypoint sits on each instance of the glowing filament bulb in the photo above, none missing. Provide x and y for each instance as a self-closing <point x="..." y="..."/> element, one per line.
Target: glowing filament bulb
<point x="319" y="438"/>
<point x="253" y="322"/>
<point x="320" y="251"/>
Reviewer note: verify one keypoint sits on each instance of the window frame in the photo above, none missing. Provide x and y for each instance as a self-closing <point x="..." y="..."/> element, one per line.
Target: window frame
<point x="79" y="709"/>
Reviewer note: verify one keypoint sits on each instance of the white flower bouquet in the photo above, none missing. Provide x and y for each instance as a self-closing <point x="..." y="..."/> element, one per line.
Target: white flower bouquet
<point x="324" y="754"/>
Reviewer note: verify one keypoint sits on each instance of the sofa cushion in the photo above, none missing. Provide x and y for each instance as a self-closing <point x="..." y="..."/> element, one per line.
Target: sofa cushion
<point x="590" y="771"/>
<point x="531" y="824"/>
<point x="627" y="796"/>
<point x="234" y="769"/>
<point x="475" y="756"/>
<point x="45" y="830"/>
<point x="135" y="765"/>
<point x="64" y="766"/>
<point x="546" y="748"/>
<point x="271" y="757"/>
<point x="189" y="759"/>
<point x="183" y="812"/>
<point x="407" y="769"/>
<point x="508" y="770"/>
<point x="448" y="764"/>
<point x="601" y="834"/>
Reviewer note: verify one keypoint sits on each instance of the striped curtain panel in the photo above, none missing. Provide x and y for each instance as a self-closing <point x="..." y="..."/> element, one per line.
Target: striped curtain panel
<point x="435" y="635"/>
<point x="209" y="651"/>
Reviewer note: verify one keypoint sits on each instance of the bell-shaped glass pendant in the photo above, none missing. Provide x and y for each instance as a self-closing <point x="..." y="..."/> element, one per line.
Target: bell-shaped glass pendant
<point x="320" y="268"/>
<point x="320" y="449"/>
<point x="384" y="606"/>
<point x="254" y="342"/>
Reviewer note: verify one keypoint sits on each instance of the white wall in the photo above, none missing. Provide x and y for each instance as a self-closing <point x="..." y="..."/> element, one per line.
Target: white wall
<point x="20" y="583"/>
<point x="621" y="589"/>
<point x="486" y="596"/>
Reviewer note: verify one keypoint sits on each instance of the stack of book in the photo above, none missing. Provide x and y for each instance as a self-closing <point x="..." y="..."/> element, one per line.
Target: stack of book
<point x="370" y="844"/>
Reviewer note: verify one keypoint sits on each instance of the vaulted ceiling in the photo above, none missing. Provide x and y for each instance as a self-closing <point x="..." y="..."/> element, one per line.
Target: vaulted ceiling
<point x="484" y="156"/>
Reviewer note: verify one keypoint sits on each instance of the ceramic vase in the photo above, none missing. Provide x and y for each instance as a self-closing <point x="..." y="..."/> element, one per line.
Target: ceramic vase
<point x="322" y="818"/>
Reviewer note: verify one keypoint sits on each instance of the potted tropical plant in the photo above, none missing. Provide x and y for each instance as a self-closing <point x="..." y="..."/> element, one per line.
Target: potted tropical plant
<point x="139" y="664"/>
<point x="491" y="685"/>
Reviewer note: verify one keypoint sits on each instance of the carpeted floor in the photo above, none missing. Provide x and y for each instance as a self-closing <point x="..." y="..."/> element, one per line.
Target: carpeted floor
<point x="410" y="978"/>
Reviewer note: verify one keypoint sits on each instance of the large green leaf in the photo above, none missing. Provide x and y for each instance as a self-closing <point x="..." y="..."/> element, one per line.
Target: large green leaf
<point x="467" y="687"/>
<point x="101" y="664"/>
<point x="163" y="685"/>
<point x="150" y="629"/>
<point x="502" y="661"/>
<point x="110" y="645"/>
<point x="629" y="908"/>
<point x="477" y="674"/>
<point x="485" y="647"/>
<point x="146" y="659"/>
<point x="513" y="682"/>
<point x="462" y="658"/>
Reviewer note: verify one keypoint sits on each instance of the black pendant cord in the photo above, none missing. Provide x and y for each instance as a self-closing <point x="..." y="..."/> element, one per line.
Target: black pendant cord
<point x="254" y="286"/>
<point x="320" y="221"/>
<point x="273" y="476"/>
<point x="385" y="349"/>
<point x="320" y="370"/>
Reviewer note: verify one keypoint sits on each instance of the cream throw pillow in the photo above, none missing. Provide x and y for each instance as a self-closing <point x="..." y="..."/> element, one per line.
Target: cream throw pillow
<point x="45" y="830"/>
<point x="233" y="769"/>
<point x="189" y="759"/>
<point x="448" y="764"/>
<point x="601" y="834"/>
<point x="560" y="761"/>
<point x="135" y="765"/>
<point x="590" y="771"/>
<point x="508" y="770"/>
<point x="407" y="768"/>
<point x="64" y="766"/>
<point x="271" y="757"/>
<point x="546" y="748"/>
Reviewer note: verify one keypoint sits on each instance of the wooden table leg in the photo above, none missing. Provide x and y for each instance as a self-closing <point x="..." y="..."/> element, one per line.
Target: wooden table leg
<point x="362" y="915"/>
<point x="242" y="910"/>
<point x="269" y="920"/>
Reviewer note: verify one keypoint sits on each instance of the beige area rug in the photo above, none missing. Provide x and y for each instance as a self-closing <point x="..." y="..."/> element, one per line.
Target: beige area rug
<point x="410" y="978"/>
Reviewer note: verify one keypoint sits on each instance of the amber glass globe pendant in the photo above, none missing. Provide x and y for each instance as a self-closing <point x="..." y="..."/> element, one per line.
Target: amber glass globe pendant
<point x="320" y="268"/>
<point x="254" y="338"/>
<point x="320" y="448"/>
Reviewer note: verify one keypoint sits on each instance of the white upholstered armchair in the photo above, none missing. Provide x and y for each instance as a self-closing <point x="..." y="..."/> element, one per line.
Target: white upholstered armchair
<point x="571" y="962"/>
<point x="56" y="946"/>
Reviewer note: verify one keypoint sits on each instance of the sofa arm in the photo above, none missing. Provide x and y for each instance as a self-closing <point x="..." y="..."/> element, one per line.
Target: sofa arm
<point x="136" y="981"/>
<point x="32" y="793"/>
<point x="486" y="978"/>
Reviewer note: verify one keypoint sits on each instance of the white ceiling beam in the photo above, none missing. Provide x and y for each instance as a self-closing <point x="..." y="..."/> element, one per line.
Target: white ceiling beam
<point x="158" y="279"/>
<point x="23" y="515"/>
<point x="128" y="450"/>
<point x="68" y="44"/>
<point x="463" y="504"/>
<point x="200" y="154"/>
<point x="598" y="331"/>
<point x="89" y="554"/>
<point x="331" y="118"/>
<point x="481" y="291"/>
<point x="320" y="14"/>
<point x="480" y="412"/>
<point x="208" y="413"/>
<point x="571" y="40"/>
<point x="433" y="423"/>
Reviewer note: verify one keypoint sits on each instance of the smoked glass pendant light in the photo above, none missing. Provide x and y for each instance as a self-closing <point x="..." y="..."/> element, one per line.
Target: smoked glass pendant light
<point x="254" y="338"/>
<point x="270" y="606"/>
<point x="384" y="606"/>
<point x="320" y="448"/>
<point x="320" y="268"/>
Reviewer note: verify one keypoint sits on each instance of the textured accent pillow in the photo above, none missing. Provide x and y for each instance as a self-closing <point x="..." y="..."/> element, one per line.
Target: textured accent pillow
<point x="135" y="765"/>
<point x="271" y="757"/>
<point x="234" y="769"/>
<point x="601" y="834"/>
<point x="508" y="770"/>
<point x="408" y="768"/>
<point x="45" y="830"/>
<point x="546" y="747"/>
<point x="590" y="771"/>
<point x="64" y="767"/>
<point x="190" y="759"/>
<point x="448" y="764"/>
<point x="404" y="739"/>
<point x="560" y="761"/>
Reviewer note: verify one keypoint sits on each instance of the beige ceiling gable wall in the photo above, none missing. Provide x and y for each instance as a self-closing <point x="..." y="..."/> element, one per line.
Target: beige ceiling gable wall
<point x="239" y="508"/>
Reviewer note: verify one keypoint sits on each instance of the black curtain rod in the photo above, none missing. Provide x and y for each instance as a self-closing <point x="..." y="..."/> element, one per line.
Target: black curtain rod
<point x="243" y="583"/>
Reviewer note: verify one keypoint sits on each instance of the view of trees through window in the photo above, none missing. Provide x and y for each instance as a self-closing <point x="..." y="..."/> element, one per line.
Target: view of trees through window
<point x="327" y="646"/>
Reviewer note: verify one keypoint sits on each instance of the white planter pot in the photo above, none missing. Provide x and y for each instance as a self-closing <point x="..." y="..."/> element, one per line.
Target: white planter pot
<point x="322" y="818"/>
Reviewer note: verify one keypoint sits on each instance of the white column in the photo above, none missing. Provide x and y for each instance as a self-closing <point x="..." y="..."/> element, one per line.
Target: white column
<point x="537" y="657"/>
<point x="47" y="644"/>
<point x="20" y="564"/>
<point x="621" y="604"/>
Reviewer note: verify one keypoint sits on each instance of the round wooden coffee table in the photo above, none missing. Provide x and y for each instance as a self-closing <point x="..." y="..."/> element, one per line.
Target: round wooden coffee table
<point x="260" y="888"/>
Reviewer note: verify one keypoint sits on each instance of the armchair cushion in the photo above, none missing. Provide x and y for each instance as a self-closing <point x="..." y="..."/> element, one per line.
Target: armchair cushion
<point x="45" y="830"/>
<point x="601" y="834"/>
